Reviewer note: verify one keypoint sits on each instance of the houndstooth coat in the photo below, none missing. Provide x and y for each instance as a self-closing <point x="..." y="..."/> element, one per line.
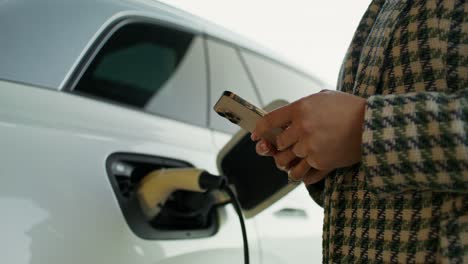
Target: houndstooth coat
<point x="407" y="201"/>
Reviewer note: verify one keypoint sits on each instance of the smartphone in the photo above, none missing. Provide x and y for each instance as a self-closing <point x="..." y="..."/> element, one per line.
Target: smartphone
<point x="242" y="113"/>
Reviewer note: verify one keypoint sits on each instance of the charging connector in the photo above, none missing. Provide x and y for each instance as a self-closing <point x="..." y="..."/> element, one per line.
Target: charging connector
<point x="158" y="185"/>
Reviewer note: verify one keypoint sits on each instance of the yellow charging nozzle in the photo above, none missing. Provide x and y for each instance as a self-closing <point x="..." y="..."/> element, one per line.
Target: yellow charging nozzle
<point x="158" y="185"/>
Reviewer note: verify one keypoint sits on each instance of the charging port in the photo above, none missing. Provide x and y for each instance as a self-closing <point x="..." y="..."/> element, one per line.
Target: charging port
<point x="185" y="214"/>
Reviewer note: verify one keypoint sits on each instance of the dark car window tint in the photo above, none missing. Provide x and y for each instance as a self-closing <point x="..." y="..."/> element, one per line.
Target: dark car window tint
<point x="227" y="73"/>
<point x="156" y="69"/>
<point x="134" y="67"/>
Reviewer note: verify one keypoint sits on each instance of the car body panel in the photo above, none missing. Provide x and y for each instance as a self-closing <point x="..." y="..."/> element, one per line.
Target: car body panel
<point x="57" y="202"/>
<point x="56" y="198"/>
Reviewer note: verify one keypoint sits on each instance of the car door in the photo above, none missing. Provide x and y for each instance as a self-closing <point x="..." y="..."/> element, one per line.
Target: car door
<point x="299" y="217"/>
<point x="293" y="220"/>
<point x="139" y="102"/>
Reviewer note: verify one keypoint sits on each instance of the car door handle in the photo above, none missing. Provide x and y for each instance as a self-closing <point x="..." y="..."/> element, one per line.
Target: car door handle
<point x="291" y="213"/>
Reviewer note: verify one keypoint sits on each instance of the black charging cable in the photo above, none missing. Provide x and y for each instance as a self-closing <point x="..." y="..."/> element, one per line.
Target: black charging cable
<point x="157" y="185"/>
<point x="211" y="182"/>
<point x="237" y="207"/>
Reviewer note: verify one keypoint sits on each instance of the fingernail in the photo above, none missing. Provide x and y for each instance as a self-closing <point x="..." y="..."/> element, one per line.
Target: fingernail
<point x="263" y="148"/>
<point x="294" y="181"/>
<point x="254" y="137"/>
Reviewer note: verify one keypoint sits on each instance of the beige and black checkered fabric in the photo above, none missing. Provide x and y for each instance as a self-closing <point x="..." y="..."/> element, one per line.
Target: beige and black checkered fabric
<point x="407" y="201"/>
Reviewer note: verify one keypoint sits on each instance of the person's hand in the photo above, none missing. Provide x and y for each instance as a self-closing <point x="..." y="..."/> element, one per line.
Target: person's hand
<point x="325" y="129"/>
<point x="297" y="169"/>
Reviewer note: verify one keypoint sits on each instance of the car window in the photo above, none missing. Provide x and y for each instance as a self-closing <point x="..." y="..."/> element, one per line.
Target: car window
<point x="227" y="73"/>
<point x="156" y="69"/>
<point x="276" y="81"/>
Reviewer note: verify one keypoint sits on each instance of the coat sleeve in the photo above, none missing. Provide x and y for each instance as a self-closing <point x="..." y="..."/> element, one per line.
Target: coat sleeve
<point x="416" y="141"/>
<point x="316" y="192"/>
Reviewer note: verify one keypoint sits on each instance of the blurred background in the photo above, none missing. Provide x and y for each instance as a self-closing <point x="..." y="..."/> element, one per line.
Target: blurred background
<point x="312" y="34"/>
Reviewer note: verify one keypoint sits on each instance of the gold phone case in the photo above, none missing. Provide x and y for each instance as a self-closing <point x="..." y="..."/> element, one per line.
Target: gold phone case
<point x="242" y="113"/>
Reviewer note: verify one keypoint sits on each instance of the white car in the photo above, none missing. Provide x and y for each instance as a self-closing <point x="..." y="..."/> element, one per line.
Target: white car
<point x="87" y="84"/>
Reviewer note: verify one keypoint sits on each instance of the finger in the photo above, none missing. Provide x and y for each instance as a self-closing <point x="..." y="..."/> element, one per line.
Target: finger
<point x="284" y="159"/>
<point x="313" y="176"/>
<point x="264" y="148"/>
<point x="254" y="137"/>
<point x="298" y="172"/>
<point x="300" y="149"/>
<point x="275" y="119"/>
<point x="318" y="163"/>
<point x="288" y="137"/>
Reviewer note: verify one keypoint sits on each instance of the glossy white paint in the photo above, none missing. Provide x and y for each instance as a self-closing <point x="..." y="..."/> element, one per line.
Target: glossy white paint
<point x="56" y="201"/>
<point x="290" y="231"/>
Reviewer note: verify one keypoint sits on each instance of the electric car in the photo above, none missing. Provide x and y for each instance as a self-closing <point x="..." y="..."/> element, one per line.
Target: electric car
<point x="87" y="86"/>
